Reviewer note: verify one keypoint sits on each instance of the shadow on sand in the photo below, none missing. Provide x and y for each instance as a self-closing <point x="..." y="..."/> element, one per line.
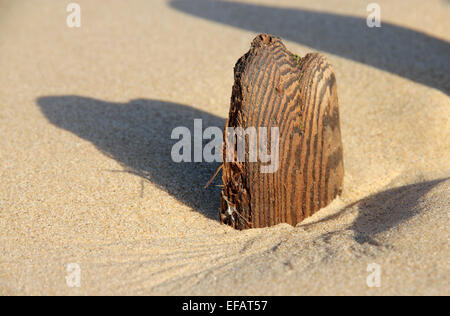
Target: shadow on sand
<point x="138" y="135"/>
<point x="407" y="53"/>
<point x="383" y="211"/>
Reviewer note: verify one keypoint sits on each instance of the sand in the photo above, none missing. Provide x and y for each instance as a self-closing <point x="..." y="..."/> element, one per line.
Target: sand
<point x="86" y="175"/>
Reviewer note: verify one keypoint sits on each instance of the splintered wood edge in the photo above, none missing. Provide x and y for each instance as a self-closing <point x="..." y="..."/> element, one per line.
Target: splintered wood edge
<point x="307" y="90"/>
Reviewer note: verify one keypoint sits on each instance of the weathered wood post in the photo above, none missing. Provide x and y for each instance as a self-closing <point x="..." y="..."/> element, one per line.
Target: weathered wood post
<point x="275" y="88"/>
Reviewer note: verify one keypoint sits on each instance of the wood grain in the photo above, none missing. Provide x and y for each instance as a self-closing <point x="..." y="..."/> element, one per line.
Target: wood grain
<point x="274" y="88"/>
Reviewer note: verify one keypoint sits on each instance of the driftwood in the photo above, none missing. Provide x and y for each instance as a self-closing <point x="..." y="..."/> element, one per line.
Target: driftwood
<point x="275" y="88"/>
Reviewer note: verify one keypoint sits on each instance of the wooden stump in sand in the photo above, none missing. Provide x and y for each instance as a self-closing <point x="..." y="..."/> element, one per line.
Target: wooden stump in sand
<point x="275" y="88"/>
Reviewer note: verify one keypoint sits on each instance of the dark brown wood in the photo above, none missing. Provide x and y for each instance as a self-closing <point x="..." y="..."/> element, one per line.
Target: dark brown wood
<point x="273" y="88"/>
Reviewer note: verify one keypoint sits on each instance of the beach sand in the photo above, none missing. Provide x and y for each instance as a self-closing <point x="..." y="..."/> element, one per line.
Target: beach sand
<point x="86" y="116"/>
